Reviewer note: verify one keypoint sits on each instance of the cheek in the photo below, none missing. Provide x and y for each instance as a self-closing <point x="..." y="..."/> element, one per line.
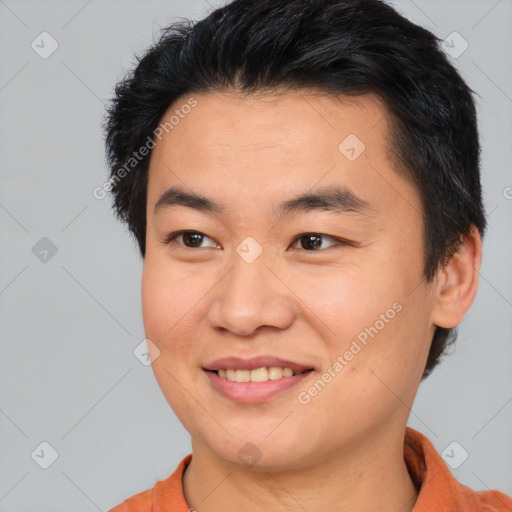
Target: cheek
<point x="165" y="305"/>
<point x="173" y="306"/>
<point x="345" y="298"/>
<point x="167" y="302"/>
<point x="156" y="302"/>
<point x="370" y="318"/>
<point x="393" y="350"/>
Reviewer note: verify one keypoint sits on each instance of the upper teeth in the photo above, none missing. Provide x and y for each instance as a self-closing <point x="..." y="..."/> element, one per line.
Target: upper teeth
<point x="257" y="375"/>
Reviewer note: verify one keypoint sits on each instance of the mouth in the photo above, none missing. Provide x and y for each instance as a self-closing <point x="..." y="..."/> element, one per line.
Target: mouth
<point x="255" y="380"/>
<point x="262" y="374"/>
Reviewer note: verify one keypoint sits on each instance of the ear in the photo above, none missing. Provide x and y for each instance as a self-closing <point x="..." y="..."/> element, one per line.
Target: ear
<point x="457" y="283"/>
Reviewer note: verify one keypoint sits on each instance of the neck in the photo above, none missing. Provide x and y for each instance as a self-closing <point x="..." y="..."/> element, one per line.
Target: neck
<point x="372" y="476"/>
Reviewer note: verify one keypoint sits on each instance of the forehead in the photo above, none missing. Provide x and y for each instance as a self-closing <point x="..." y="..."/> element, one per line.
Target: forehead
<point x="280" y="119"/>
<point x="249" y="149"/>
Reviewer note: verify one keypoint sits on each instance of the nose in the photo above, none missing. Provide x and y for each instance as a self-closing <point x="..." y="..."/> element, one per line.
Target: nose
<point x="250" y="296"/>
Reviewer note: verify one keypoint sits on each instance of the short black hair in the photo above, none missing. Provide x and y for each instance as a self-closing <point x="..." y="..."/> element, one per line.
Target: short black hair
<point x="347" y="47"/>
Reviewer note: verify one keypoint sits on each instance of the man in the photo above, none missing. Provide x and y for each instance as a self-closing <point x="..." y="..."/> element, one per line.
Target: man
<point x="302" y="178"/>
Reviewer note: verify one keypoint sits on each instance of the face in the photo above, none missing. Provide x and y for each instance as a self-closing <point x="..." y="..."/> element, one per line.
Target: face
<point x="331" y="284"/>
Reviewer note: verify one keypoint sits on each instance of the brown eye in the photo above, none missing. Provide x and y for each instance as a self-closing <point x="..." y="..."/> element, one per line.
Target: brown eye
<point x="313" y="241"/>
<point x="191" y="239"/>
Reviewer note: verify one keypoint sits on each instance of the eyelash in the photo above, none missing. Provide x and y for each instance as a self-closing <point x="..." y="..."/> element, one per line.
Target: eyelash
<point x="339" y="241"/>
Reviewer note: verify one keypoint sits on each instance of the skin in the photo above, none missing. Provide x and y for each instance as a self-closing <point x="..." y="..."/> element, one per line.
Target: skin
<point x="344" y="449"/>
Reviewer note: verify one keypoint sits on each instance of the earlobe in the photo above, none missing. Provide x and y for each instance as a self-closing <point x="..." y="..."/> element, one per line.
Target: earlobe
<point x="457" y="283"/>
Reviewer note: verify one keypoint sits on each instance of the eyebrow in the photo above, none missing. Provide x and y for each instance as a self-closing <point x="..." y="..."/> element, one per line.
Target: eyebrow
<point x="330" y="198"/>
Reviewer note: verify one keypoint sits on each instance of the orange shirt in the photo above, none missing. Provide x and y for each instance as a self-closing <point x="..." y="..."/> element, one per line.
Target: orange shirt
<point x="438" y="489"/>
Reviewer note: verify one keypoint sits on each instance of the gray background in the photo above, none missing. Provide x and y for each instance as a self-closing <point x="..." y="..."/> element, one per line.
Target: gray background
<point x="69" y="324"/>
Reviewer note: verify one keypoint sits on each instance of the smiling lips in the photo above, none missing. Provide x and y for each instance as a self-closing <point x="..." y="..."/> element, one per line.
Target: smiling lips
<point x="237" y="363"/>
<point x="257" y="375"/>
<point x="254" y="380"/>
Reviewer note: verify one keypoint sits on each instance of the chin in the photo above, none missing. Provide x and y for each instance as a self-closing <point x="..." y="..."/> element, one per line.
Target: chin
<point x="260" y="451"/>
